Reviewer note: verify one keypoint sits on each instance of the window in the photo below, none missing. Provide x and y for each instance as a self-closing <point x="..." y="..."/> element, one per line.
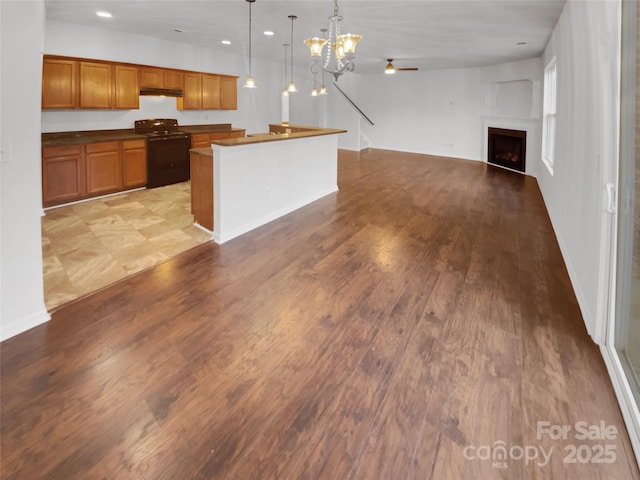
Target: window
<point x="549" y="115"/>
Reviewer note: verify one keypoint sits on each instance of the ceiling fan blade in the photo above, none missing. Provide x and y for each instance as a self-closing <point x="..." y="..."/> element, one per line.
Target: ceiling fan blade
<point x="412" y="69"/>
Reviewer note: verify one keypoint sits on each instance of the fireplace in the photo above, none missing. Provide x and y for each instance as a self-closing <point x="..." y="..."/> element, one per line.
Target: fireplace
<point x="507" y="148"/>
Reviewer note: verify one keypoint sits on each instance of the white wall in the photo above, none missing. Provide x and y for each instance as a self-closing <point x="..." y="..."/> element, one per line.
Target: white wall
<point x="22" y="304"/>
<point x="585" y="44"/>
<point x="256" y="107"/>
<point x="441" y="112"/>
<point x="290" y="174"/>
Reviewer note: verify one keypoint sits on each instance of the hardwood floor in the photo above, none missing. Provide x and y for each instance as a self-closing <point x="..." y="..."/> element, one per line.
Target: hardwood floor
<point x="400" y="328"/>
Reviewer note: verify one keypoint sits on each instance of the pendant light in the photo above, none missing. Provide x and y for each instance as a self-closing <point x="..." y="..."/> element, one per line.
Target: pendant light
<point x="250" y="82"/>
<point x="292" y="85"/>
<point x="314" y="92"/>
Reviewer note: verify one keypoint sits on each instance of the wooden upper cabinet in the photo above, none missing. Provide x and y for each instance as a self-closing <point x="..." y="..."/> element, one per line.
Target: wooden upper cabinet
<point x="192" y="92"/>
<point x="155" y="77"/>
<point x="210" y="92"/>
<point x="228" y="93"/>
<point x="151" y="77"/>
<point x="69" y="82"/>
<point x="127" y="91"/>
<point x="173" y="79"/>
<point x="59" y="80"/>
<point x="203" y="91"/>
<point x="95" y="85"/>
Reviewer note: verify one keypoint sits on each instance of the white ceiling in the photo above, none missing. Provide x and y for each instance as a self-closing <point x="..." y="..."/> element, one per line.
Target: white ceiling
<point x="429" y="34"/>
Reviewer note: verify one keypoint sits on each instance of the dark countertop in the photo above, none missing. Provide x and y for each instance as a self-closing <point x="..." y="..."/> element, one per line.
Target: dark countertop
<point x="82" y="137"/>
<point x="58" y="139"/>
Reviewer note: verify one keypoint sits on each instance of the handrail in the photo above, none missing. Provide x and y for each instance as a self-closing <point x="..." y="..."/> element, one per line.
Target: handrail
<point x="351" y="102"/>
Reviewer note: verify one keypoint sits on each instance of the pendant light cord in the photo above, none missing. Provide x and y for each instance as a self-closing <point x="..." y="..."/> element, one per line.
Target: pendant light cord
<point x="250" y="38"/>
<point x="292" y="19"/>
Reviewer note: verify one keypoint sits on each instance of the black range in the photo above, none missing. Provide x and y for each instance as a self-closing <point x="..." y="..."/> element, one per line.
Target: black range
<point x="167" y="151"/>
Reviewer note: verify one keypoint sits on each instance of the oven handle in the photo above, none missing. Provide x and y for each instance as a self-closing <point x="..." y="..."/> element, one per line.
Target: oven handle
<point x="164" y="139"/>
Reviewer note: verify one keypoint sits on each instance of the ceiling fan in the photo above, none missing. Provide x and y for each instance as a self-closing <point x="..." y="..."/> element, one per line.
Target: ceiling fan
<point x="390" y="69"/>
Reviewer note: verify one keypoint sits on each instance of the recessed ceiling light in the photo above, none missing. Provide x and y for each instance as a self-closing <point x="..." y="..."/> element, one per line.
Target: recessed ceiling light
<point x="103" y="14"/>
<point x="268" y="33"/>
<point x="226" y="42"/>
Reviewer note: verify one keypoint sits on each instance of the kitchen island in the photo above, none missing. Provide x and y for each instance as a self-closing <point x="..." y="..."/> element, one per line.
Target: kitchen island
<point x="242" y="183"/>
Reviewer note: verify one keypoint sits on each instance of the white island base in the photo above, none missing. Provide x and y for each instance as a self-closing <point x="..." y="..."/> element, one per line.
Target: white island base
<point x="255" y="181"/>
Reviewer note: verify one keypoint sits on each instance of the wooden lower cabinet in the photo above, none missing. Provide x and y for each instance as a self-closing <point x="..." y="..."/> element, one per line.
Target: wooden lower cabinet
<point x="63" y="174"/>
<point x="104" y="167"/>
<point x="134" y="163"/>
<point x="202" y="189"/>
<point x="76" y="172"/>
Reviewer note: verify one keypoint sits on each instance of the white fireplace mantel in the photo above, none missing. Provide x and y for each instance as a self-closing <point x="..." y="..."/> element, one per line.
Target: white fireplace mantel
<point x="529" y="125"/>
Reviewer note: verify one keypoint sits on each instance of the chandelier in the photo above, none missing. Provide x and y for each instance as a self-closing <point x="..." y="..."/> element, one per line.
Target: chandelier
<point x="340" y="51"/>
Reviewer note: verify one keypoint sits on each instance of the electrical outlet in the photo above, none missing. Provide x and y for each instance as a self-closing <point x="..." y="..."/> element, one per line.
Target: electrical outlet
<point x="6" y="152"/>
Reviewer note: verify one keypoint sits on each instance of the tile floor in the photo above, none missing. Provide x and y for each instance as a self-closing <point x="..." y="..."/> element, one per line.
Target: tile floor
<point x="89" y="245"/>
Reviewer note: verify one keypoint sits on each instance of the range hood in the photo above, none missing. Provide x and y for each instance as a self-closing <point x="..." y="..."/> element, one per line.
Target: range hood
<point x="161" y="92"/>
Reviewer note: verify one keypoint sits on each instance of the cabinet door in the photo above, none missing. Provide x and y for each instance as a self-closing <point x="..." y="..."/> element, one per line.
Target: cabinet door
<point x="95" y="85"/>
<point x="172" y="79"/>
<point x="229" y="93"/>
<point x="63" y="174"/>
<point x="104" y="167"/>
<point x="210" y="92"/>
<point x="134" y="163"/>
<point x="151" y="77"/>
<point x="192" y="93"/>
<point x="59" y="80"/>
<point x="127" y="90"/>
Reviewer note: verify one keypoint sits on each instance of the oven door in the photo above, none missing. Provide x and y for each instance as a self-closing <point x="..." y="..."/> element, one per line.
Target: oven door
<point x="167" y="160"/>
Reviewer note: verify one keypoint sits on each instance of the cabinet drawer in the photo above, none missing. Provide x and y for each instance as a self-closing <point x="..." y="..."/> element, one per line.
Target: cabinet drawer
<point x="62" y="151"/>
<point x="199" y="137"/>
<point x="129" y="144"/>
<point x="102" y="147"/>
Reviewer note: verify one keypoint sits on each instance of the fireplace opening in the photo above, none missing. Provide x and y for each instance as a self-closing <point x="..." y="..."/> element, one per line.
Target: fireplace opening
<point x="507" y="148"/>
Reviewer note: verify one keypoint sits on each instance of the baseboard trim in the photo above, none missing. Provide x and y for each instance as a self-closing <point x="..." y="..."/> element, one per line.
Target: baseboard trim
<point x="92" y="198"/>
<point x="23" y="324"/>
